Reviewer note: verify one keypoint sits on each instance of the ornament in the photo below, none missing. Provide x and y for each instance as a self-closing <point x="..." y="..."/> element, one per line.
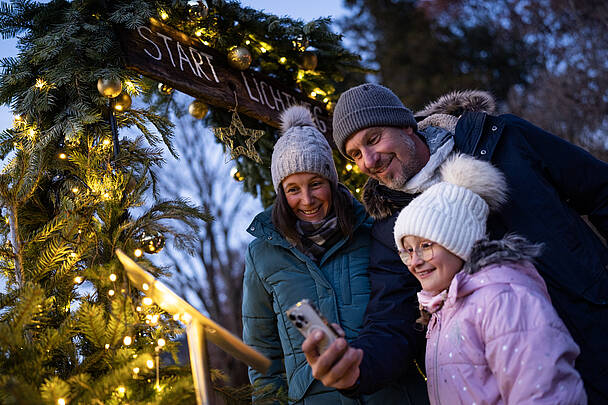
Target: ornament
<point x="239" y="58"/>
<point x="198" y="109"/>
<point x="198" y="10"/>
<point x="122" y="102"/>
<point x="152" y="242"/>
<point x="309" y="60"/>
<point x="165" y="89"/>
<point x="109" y="88"/>
<point x="228" y="137"/>
<point x="300" y="43"/>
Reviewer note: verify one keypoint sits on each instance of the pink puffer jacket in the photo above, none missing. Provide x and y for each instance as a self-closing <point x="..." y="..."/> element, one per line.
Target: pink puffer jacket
<point x="498" y="340"/>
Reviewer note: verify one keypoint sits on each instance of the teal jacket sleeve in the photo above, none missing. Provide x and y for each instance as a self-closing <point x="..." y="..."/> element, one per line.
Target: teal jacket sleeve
<point x="260" y="329"/>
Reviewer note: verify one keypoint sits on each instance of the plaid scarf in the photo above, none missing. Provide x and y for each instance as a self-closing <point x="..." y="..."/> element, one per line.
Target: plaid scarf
<point x="318" y="237"/>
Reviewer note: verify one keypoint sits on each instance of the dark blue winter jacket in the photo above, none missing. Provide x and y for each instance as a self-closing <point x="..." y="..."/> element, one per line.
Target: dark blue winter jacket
<point x="554" y="189"/>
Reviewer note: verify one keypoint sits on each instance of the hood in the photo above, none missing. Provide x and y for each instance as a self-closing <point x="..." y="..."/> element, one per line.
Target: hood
<point x="382" y="202"/>
<point x="505" y="261"/>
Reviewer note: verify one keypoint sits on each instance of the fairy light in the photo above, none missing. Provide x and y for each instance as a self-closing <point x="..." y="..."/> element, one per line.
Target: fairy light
<point x="163" y="15"/>
<point x="154" y="319"/>
<point x="349" y="167"/>
<point x="77" y="280"/>
<point x="106" y="142"/>
<point x="206" y="43"/>
<point x="138" y="308"/>
<point x="40" y="83"/>
<point x="147" y="301"/>
<point x="111" y="293"/>
<point x="106" y="195"/>
<point x="357" y="190"/>
<point x="121" y="390"/>
<point x="150" y="364"/>
<point x="73" y="254"/>
<point x="136" y="370"/>
<point x="127" y="340"/>
<point x="138" y="252"/>
<point x="31" y="132"/>
<point x="247" y="42"/>
<point x="61" y="401"/>
<point x="107" y="346"/>
<point x="75" y="190"/>
<point x="145" y="286"/>
<point x="176" y="317"/>
<point x="112" y="277"/>
<point x="326" y="99"/>
<point x="161" y="342"/>
<point x="199" y="32"/>
<point x="263" y="50"/>
<point x="313" y="94"/>
<point x="282" y="60"/>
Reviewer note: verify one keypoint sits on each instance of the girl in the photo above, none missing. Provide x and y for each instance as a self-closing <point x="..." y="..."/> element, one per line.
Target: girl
<point x="493" y="336"/>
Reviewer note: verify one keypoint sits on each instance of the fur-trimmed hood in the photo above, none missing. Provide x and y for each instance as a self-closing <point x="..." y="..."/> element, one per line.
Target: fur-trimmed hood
<point x="380" y="201"/>
<point x="512" y="248"/>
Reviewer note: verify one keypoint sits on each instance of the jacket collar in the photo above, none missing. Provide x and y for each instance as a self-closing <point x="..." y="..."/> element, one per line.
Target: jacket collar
<point x="436" y="118"/>
<point x="505" y="261"/>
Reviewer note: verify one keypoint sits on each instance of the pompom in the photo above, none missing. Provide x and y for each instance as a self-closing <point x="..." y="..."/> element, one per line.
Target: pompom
<point x="296" y="116"/>
<point x="478" y="176"/>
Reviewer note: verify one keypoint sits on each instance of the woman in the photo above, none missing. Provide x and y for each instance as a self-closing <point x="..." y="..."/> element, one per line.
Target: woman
<point x="312" y="243"/>
<point x="493" y="336"/>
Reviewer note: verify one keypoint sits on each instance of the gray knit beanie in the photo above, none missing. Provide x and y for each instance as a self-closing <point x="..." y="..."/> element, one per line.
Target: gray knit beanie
<point x="368" y="105"/>
<point x="301" y="149"/>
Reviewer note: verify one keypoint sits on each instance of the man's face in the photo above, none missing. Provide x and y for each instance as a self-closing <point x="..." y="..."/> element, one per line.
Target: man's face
<point x="390" y="155"/>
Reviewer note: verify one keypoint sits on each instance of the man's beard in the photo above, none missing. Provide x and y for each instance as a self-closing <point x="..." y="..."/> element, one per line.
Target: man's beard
<point x="407" y="170"/>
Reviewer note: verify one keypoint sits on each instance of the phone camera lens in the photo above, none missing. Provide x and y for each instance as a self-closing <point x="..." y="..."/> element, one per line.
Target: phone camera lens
<point x="298" y="325"/>
<point x="292" y="317"/>
<point x="300" y="318"/>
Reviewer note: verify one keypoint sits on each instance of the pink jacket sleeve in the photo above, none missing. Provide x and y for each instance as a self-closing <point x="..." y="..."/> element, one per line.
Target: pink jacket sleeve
<point x="529" y="350"/>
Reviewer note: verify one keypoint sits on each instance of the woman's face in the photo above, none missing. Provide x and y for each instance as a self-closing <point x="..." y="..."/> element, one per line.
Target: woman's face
<point x="308" y="195"/>
<point x="436" y="273"/>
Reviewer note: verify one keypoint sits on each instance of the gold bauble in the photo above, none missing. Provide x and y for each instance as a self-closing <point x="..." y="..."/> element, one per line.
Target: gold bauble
<point x="198" y="10"/>
<point x="152" y="242"/>
<point x="109" y="87"/>
<point x="198" y="109"/>
<point x="239" y="58"/>
<point x="123" y="102"/>
<point x="165" y="89"/>
<point x="309" y="60"/>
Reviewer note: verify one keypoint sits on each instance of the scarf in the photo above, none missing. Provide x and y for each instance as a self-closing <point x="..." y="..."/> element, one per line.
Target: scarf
<point x="319" y="237"/>
<point x="441" y="144"/>
<point x="432" y="303"/>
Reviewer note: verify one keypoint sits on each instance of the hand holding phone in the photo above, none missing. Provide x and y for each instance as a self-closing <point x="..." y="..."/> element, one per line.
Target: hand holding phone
<point x="307" y="319"/>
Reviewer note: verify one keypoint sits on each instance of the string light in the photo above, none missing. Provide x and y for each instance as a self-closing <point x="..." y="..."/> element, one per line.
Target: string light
<point x="283" y="60"/>
<point x="136" y="370"/>
<point x="161" y="342"/>
<point x="106" y="142"/>
<point x="75" y="190"/>
<point x="163" y="15"/>
<point x="40" y="83"/>
<point x="138" y="309"/>
<point x="147" y="301"/>
<point x="127" y="340"/>
<point x="112" y="277"/>
<point x="138" y="252"/>
<point x="111" y="293"/>
<point x="77" y="280"/>
<point x="107" y="346"/>
<point x="61" y="401"/>
<point x="121" y="390"/>
<point x="63" y="156"/>
<point x="145" y="286"/>
<point x="247" y="42"/>
<point x="150" y="364"/>
<point x="349" y="167"/>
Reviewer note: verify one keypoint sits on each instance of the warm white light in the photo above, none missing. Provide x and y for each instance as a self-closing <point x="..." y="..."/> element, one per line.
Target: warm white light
<point x="138" y="252"/>
<point x="127" y="340"/>
<point x="349" y="167"/>
<point x="136" y="370"/>
<point x="147" y="301"/>
<point x="161" y="342"/>
<point x="111" y="293"/>
<point x="145" y="286"/>
<point x="150" y="363"/>
<point x="77" y="280"/>
<point x="61" y="401"/>
<point x="107" y="346"/>
<point x="112" y="277"/>
<point x="121" y="389"/>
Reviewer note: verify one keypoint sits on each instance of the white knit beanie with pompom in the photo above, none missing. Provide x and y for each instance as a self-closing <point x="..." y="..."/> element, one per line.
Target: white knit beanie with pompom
<point x="301" y="149"/>
<point x="453" y="212"/>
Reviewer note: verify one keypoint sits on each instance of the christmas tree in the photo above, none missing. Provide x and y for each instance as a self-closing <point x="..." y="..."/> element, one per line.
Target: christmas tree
<point x="73" y="189"/>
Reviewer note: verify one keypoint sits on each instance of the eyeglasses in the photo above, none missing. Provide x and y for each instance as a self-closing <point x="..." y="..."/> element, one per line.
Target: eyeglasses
<point x="424" y="251"/>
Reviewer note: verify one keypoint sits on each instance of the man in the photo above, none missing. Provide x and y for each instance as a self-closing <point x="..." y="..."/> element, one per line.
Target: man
<point x="552" y="183"/>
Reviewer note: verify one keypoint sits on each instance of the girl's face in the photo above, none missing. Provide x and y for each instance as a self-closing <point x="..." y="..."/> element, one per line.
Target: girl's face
<point x="437" y="271"/>
<point x="308" y="195"/>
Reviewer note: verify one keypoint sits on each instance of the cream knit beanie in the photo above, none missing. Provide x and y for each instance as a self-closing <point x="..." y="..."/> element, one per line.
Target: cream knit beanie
<point x="301" y="149"/>
<point x="453" y="212"/>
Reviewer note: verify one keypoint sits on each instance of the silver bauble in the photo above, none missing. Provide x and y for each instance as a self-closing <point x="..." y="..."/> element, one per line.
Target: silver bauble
<point x="198" y="10"/>
<point x="239" y="58"/>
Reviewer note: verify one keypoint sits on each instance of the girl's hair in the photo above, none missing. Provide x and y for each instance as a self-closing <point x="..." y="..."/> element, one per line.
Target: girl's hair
<point x="424" y="319"/>
<point x="284" y="219"/>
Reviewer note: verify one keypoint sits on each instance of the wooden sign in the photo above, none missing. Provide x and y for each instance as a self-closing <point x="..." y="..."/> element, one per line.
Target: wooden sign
<point x="171" y="57"/>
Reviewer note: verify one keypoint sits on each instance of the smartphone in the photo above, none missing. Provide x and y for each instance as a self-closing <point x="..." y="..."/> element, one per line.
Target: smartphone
<point x="306" y="318"/>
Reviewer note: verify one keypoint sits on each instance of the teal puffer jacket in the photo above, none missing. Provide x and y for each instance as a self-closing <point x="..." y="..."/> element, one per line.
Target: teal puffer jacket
<point x="277" y="275"/>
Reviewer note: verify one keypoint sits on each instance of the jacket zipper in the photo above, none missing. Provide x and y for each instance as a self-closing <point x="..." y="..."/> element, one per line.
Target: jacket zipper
<point x="436" y="382"/>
